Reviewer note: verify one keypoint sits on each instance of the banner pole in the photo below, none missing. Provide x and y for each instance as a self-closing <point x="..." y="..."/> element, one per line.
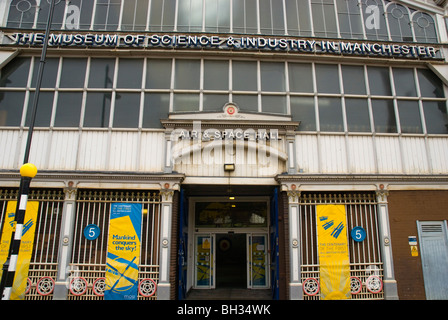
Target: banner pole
<point x="11" y="262"/>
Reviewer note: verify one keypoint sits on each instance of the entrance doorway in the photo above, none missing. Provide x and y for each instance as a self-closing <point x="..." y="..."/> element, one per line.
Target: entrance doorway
<point x="231" y="270"/>
<point x="231" y="243"/>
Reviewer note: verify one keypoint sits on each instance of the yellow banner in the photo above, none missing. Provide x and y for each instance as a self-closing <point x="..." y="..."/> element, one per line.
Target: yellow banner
<point x="26" y="245"/>
<point x="123" y="253"/>
<point x="333" y="252"/>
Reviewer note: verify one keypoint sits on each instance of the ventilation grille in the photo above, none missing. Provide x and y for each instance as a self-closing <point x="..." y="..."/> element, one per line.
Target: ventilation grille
<point x="432" y="228"/>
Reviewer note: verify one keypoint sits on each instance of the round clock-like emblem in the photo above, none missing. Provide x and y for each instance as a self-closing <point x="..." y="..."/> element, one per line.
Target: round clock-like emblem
<point x="230" y="109"/>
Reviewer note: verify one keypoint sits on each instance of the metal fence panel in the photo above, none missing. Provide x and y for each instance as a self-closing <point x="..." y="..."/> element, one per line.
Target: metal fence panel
<point x="365" y="257"/>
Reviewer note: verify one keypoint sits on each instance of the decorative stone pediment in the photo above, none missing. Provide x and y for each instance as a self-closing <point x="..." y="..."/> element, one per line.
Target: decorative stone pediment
<point x="230" y="118"/>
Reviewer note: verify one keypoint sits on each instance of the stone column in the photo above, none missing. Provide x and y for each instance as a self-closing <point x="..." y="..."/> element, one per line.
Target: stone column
<point x="163" y="288"/>
<point x="65" y="243"/>
<point x="389" y="282"/>
<point x="295" y="283"/>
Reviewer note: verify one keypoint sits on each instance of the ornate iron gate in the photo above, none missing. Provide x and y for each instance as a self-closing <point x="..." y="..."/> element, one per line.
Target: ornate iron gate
<point x="88" y="262"/>
<point x="366" y="267"/>
<point x="44" y="261"/>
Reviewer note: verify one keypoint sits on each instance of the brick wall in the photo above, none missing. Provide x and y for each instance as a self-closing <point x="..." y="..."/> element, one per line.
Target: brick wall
<point x="405" y="208"/>
<point x="283" y="229"/>
<point x="174" y="278"/>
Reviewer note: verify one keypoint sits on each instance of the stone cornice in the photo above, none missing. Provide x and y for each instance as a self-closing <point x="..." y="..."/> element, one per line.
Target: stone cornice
<point x="105" y="178"/>
<point x="361" y="178"/>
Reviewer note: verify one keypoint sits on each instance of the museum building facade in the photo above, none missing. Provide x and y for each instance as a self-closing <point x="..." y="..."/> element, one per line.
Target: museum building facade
<point x="243" y="131"/>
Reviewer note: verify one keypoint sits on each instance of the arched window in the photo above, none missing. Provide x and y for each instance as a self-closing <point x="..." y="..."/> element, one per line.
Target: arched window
<point x="399" y="22"/>
<point x="424" y="27"/>
<point x="22" y="14"/>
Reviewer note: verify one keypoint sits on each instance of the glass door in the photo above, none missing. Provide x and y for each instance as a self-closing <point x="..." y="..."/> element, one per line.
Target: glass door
<point x="204" y="261"/>
<point x="258" y="267"/>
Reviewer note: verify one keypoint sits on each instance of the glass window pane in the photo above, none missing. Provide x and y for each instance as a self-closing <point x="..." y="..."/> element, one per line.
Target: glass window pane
<point x="189" y="17"/>
<point x="127" y="110"/>
<point x="73" y="72"/>
<point x="97" y="111"/>
<point x="43" y="111"/>
<point x="158" y="74"/>
<point x="231" y="214"/>
<point x="327" y="78"/>
<point x="162" y="15"/>
<point x="379" y="81"/>
<point x="357" y="115"/>
<point x="11" y="107"/>
<point x="330" y="114"/>
<point x="246" y="102"/>
<point x="271" y="17"/>
<point x="217" y="15"/>
<point x="350" y="24"/>
<point x="216" y="75"/>
<point x="134" y="15"/>
<point x="324" y="18"/>
<point x="436" y="117"/>
<point x="384" y="116"/>
<point x="300" y="77"/>
<point x="156" y="107"/>
<point x="130" y="73"/>
<point x="101" y="73"/>
<point x="49" y="75"/>
<point x="302" y="109"/>
<point x="353" y="78"/>
<point x="68" y="109"/>
<point x="430" y="84"/>
<point x="410" y="120"/>
<point x="245" y="16"/>
<point x="214" y="102"/>
<point x="187" y="73"/>
<point x="244" y="75"/>
<point x="404" y="82"/>
<point x="298" y="17"/>
<point x="107" y="14"/>
<point x="185" y="102"/>
<point x="273" y="76"/>
<point x="273" y="104"/>
<point x="15" y="73"/>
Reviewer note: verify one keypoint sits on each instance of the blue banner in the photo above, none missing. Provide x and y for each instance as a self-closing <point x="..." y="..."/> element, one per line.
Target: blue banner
<point x="123" y="253"/>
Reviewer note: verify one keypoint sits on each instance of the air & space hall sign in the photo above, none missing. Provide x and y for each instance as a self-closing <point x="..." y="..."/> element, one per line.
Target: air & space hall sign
<point x="178" y="41"/>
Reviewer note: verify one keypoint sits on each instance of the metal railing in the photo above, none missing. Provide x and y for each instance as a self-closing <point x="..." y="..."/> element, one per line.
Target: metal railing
<point x="366" y="267"/>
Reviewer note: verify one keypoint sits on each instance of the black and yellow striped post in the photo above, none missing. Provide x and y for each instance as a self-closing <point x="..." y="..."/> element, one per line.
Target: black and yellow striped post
<point x="27" y="172"/>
